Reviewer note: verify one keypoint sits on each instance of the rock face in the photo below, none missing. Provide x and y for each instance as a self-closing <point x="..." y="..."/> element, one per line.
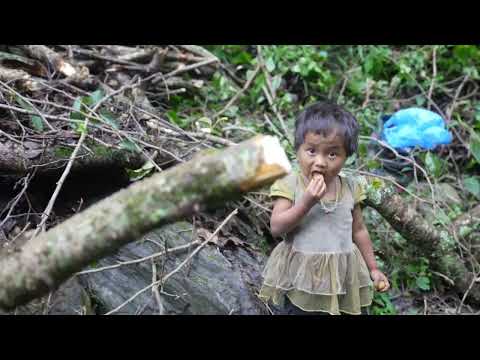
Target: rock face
<point x="215" y="281"/>
<point x="69" y="299"/>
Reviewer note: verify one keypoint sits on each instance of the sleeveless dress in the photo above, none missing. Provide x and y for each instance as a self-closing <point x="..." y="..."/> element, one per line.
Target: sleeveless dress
<point x="318" y="266"/>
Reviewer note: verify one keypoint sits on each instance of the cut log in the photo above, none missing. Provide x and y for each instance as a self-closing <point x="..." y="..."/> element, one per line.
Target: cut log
<point x="19" y="159"/>
<point x="43" y="53"/>
<point x="206" y="181"/>
<point x="21" y="78"/>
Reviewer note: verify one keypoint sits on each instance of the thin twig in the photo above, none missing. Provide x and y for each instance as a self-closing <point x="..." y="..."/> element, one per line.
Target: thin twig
<point x="268" y="92"/>
<point x="424" y="93"/>
<point x="95" y="55"/>
<point x="30" y="112"/>
<point x="155" y="289"/>
<point x="454" y="102"/>
<point x="474" y="280"/>
<point x="48" y="209"/>
<point x="277" y="114"/>
<point x="213" y="138"/>
<point x="239" y="93"/>
<point x="10" y="138"/>
<point x="47" y="305"/>
<point x="136" y="261"/>
<point x="392" y="181"/>
<point x="434" y="75"/>
<point x="26" y="181"/>
<point x="65" y="173"/>
<point x="39" y="113"/>
<point x="166" y="277"/>
<point x="450" y="281"/>
<point x="414" y="163"/>
<point x="169" y="275"/>
<point x="274" y="128"/>
<point x="159" y="77"/>
<point x="198" y="50"/>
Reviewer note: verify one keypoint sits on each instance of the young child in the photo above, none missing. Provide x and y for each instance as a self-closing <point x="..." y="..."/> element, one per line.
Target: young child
<point x="326" y="264"/>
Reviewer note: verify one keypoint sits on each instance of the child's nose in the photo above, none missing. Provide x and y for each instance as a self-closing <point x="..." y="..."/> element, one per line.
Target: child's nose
<point x="320" y="161"/>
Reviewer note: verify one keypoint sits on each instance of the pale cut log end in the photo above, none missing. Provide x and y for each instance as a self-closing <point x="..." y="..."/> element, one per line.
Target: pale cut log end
<point x="66" y="68"/>
<point x="273" y="153"/>
<point x="274" y="163"/>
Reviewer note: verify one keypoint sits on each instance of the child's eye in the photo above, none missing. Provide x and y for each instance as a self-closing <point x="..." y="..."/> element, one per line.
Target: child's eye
<point x="310" y="151"/>
<point x="332" y="156"/>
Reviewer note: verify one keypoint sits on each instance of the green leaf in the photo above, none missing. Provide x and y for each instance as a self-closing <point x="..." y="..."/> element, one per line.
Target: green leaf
<point x="232" y="111"/>
<point x="423" y="283"/>
<point x="270" y="64"/>
<point x="37" y="123"/>
<point x="475" y="149"/>
<point x="250" y="73"/>
<point x="23" y="103"/>
<point x="373" y="164"/>
<point x="472" y="184"/>
<point x="77" y="106"/>
<point x="351" y="160"/>
<point x="129" y="146"/>
<point x="442" y="217"/>
<point x="376" y="183"/>
<point x="434" y="164"/>
<point x="109" y="118"/>
<point x="81" y="128"/>
<point x="276" y="81"/>
<point x="96" y="96"/>
<point x="382" y="305"/>
<point x="138" y="174"/>
<point x="362" y="150"/>
<point x="420" y="100"/>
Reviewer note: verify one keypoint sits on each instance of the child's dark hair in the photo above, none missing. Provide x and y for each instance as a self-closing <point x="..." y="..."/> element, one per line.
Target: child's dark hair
<point x="324" y="117"/>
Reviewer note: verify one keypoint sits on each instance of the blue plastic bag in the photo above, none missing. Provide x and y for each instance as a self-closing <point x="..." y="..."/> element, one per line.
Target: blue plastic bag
<point x="412" y="127"/>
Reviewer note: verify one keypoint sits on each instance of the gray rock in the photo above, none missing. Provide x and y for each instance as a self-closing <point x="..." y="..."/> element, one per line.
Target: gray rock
<point x="69" y="299"/>
<point x="215" y="281"/>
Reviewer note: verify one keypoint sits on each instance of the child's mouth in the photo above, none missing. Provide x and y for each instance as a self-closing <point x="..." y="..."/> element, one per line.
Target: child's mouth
<point x="316" y="173"/>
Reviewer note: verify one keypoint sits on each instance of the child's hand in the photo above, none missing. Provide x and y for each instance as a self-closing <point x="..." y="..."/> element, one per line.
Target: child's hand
<point x="315" y="190"/>
<point x="380" y="281"/>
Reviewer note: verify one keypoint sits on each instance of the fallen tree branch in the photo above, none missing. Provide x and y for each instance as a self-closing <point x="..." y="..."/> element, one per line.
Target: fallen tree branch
<point x="439" y="246"/>
<point x="204" y="182"/>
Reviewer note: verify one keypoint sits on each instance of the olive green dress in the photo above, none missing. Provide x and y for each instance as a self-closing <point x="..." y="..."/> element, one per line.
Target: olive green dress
<point x="318" y="266"/>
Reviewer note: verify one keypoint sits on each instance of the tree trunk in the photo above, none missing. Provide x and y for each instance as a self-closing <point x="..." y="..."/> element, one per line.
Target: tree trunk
<point x="206" y="181"/>
<point x="439" y="246"/>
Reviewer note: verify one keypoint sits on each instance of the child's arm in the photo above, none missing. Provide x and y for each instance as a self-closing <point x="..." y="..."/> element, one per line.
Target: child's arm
<point x="286" y="215"/>
<point x="362" y="239"/>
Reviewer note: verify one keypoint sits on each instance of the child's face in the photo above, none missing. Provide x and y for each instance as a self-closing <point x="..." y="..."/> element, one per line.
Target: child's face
<point x="323" y="155"/>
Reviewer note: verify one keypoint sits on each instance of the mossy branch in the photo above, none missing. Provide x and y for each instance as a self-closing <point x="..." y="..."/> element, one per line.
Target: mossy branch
<point x="206" y="181"/>
<point x="438" y="246"/>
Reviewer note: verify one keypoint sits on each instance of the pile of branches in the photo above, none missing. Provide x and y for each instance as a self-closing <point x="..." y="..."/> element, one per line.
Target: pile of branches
<point x="74" y="109"/>
<point x="47" y="93"/>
